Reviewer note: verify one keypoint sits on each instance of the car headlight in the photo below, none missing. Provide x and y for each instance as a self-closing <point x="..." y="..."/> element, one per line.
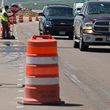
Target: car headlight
<point x="48" y="24"/>
<point x="88" y="25"/>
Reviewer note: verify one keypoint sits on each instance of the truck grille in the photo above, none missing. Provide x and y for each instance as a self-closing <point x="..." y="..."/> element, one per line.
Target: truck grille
<point x="102" y="26"/>
<point x="64" y="25"/>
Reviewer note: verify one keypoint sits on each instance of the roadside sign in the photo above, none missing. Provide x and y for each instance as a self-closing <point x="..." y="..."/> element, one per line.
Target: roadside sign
<point x="14" y="8"/>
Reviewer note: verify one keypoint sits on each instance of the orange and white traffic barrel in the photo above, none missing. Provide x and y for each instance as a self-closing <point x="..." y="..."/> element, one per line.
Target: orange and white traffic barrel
<point x="1" y="32"/>
<point x="20" y="18"/>
<point x="14" y="19"/>
<point x="42" y="71"/>
<point x="36" y="17"/>
<point x="11" y="20"/>
<point x="30" y="17"/>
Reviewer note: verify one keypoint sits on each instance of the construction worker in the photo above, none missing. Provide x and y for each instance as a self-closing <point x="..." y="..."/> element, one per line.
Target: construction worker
<point x="4" y="21"/>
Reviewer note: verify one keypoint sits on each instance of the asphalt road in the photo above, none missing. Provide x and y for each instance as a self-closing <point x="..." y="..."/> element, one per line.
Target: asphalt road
<point x="84" y="76"/>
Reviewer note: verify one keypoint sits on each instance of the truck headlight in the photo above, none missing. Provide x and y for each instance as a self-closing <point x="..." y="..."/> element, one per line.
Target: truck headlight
<point x="48" y="24"/>
<point x="87" y="26"/>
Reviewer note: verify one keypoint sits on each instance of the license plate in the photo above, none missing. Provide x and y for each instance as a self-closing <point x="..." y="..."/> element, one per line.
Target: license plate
<point x="108" y="38"/>
<point x="62" y="32"/>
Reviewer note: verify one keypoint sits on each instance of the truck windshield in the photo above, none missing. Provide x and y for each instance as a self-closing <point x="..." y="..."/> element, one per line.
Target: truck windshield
<point x="78" y="9"/>
<point x="99" y="8"/>
<point x="60" y="11"/>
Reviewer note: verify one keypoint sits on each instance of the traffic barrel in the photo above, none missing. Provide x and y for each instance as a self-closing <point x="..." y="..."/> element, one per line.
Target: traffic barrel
<point x="20" y="18"/>
<point x="11" y="20"/>
<point x="1" y="32"/>
<point x="1" y="37"/>
<point x="30" y="18"/>
<point x="14" y="19"/>
<point x="42" y="71"/>
<point x="36" y="17"/>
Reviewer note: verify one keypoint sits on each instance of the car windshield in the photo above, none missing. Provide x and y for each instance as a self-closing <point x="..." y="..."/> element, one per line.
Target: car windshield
<point x="99" y="8"/>
<point x="60" y="11"/>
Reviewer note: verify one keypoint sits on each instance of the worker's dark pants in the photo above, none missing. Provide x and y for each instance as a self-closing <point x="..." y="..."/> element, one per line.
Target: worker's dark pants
<point x="5" y="32"/>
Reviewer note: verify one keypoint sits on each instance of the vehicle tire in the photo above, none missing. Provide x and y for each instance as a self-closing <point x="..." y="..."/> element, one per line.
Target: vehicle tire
<point x="40" y="32"/>
<point x="76" y="44"/>
<point x="71" y="36"/>
<point x="43" y="32"/>
<point x="82" y="45"/>
<point x="39" y="26"/>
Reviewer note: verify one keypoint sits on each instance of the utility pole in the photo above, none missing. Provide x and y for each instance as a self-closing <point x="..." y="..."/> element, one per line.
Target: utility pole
<point x="2" y="3"/>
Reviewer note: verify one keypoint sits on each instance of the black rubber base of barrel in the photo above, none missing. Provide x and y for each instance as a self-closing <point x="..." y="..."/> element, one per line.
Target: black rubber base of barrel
<point x="56" y="103"/>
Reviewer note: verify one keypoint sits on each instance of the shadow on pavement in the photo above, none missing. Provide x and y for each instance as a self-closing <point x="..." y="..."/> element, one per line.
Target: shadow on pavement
<point x="57" y="38"/>
<point x="99" y="50"/>
<point x="58" y="105"/>
<point x="65" y="47"/>
<point x="69" y="105"/>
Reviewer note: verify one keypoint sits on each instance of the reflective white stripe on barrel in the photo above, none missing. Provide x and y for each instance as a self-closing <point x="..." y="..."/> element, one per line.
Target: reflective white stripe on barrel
<point x="42" y="81"/>
<point x="42" y="60"/>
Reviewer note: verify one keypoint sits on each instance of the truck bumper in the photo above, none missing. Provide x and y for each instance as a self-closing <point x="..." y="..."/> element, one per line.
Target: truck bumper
<point x="59" y="31"/>
<point x="96" y="39"/>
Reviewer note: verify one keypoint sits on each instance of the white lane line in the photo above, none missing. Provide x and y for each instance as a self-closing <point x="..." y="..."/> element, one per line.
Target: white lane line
<point x="75" y="79"/>
<point x="19" y="98"/>
<point x="21" y="67"/>
<point x="19" y="107"/>
<point x="21" y="75"/>
<point x="20" y="91"/>
<point x="21" y="64"/>
<point x="21" y="71"/>
<point x="20" y="85"/>
<point x="20" y="79"/>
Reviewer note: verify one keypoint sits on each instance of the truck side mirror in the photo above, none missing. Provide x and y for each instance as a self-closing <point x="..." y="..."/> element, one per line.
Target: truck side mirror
<point x="77" y="12"/>
<point x="80" y="14"/>
<point x="41" y="14"/>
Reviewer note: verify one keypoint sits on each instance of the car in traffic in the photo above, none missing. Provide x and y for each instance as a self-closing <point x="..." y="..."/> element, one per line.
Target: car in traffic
<point x="56" y="20"/>
<point x="92" y="25"/>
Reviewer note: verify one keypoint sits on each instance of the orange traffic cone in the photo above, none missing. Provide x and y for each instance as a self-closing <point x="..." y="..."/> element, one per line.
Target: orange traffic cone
<point x="42" y="78"/>
<point x="36" y="17"/>
<point x="30" y="17"/>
